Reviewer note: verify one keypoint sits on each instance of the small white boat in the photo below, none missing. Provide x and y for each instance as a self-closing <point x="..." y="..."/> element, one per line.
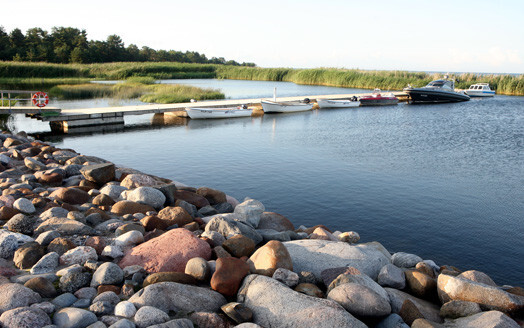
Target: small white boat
<point x="338" y="103"/>
<point x="226" y="112"/>
<point x="274" y="106"/>
<point x="285" y="106"/>
<point x="480" y="90"/>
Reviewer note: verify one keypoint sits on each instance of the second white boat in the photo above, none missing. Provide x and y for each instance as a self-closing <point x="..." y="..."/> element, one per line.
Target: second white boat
<point x="285" y="106"/>
<point x="227" y="112"/>
<point x="338" y="103"/>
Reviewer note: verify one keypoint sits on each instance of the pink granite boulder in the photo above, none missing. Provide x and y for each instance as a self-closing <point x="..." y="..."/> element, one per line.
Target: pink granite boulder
<point x="168" y="252"/>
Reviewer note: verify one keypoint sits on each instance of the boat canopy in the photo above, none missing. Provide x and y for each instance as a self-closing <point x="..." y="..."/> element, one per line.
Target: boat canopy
<point x="444" y="84"/>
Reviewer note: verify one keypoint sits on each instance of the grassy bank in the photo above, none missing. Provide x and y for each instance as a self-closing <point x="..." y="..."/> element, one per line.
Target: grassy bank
<point x="392" y="80"/>
<point x="26" y="74"/>
<point x="136" y="88"/>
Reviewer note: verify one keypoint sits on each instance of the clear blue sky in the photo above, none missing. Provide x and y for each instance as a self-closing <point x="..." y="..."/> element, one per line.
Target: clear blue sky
<point x="455" y="36"/>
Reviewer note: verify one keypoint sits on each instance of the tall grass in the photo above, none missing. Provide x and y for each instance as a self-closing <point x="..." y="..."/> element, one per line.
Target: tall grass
<point x="392" y="80"/>
<point x="35" y="75"/>
<point x="38" y="83"/>
<point x="167" y="94"/>
<point x="151" y="93"/>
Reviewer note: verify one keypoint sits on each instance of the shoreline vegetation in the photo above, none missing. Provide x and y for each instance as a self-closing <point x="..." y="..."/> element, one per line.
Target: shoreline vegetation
<point x="72" y="81"/>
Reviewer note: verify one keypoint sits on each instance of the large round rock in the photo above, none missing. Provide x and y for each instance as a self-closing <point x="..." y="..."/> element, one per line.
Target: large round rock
<point x="15" y="295"/>
<point x="74" y="318"/>
<point x="315" y="255"/>
<point x="161" y="254"/>
<point x="275" y="305"/>
<point x="25" y="317"/>
<point x="147" y="195"/>
<point x="172" y="296"/>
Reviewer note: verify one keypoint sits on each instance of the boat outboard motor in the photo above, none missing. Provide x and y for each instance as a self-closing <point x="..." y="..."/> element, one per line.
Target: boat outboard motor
<point x="307" y="101"/>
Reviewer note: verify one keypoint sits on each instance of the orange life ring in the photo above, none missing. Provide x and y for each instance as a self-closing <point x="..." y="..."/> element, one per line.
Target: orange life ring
<point x="40" y="99"/>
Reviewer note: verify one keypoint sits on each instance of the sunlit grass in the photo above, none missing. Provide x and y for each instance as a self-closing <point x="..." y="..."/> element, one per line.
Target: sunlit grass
<point x="150" y="93"/>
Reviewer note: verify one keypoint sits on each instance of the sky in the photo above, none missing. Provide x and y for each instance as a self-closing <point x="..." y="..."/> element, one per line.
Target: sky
<point x="442" y="36"/>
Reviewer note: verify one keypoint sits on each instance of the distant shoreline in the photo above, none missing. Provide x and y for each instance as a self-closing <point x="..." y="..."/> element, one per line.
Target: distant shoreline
<point x="19" y="75"/>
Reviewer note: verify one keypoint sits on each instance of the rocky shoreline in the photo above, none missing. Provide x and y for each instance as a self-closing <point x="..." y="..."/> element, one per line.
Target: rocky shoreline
<point x="85" y="243"/>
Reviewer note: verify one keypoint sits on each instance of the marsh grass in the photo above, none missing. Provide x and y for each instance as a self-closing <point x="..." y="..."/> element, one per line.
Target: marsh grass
<point x="166" y="94"/>
<point x="392" y="80"/>
<point x="151" y="93"/>
<point x="18" y="75"/>
<point x="38" y="83"/>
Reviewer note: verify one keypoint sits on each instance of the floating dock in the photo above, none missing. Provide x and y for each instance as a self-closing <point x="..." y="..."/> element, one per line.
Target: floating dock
<point x="66" y="119"/>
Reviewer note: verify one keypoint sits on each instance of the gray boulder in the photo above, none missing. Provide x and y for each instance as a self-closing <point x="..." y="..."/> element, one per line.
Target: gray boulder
<point x="490" y="297"/>
<point x="360" y="300"/>
<point x="429" y="310"/>
<point x="107" y="274"/>
<point x="391" y="276"/>
<point x="99" y="173"/>
<point x="112" y="190"/>
<point x="176" y="323"/>
<point x="65" y="227"/>
<point x="459" y="309"/>
<point x="315" y="255"/>
<point x="275" y="305"/>
<point x="74" y="318"/>
<point x="46" y="237"/>
<point x="25" y="317"/>
<point x="405" y="260"/>
<point x="24" y="205"/>
<point x="147" y="316"/>
<point x="392" y="321"/>
<point x="21" y="223"/>
<point x="34" y="164"/>
<point x="228" y="227"/>
<point x="490" y="319"/>
<point x="15" y="295"/>
<point x="250" y="211"/>
<point x="172" y="296"/>
<point x="48" y="263"/>
<point x="147" y="195"/>
<point x="54" y="212"/>
<point x="8" y="245"/>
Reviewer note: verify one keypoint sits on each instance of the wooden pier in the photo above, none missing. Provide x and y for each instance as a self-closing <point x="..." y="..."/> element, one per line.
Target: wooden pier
<point x="67" y="119"/>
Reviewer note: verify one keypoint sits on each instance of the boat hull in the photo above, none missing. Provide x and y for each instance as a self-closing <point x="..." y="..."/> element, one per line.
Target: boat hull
<point x="217" y="113"/>
<point x="372" y="101"/>
<point x="328" y="103"/>
<point x="480" y="93"/>
<point x="422" y="95"/>
<point x="285" y="107"/>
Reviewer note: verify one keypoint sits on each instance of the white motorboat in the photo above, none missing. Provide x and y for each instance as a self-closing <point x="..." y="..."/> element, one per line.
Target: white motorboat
<point x="480" y="90"/>
<point x="274" y="106"/>
<point x="270" y="106"/>
<point x="226" y="112"/>
<point x="338" y="103"/>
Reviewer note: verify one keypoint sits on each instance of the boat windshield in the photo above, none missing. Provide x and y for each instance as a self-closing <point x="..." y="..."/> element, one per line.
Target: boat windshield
<point x="440" y="84"/>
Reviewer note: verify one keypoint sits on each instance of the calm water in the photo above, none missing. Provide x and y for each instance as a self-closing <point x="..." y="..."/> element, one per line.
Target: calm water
<point x="443" y="181"/>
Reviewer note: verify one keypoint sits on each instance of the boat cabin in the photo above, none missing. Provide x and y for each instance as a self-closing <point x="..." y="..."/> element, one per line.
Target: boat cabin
<point x="480" y="86"/>
<point x="442" y="84"/>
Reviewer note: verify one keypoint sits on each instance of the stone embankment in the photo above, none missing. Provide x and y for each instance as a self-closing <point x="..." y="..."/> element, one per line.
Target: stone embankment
<point x="85" y="243"/>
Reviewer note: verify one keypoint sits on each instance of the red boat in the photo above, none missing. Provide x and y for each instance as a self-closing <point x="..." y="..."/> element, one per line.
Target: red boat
<point x="377" y="99"/>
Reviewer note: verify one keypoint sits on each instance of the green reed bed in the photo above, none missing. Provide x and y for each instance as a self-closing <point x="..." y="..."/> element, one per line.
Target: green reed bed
<point x="392" y="80"/>
<point x="141" y="88"/>
<point x="38" y="83"/>
<point x="168" y="93"/>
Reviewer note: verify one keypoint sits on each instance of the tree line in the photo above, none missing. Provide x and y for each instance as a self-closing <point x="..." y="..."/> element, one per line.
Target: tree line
<point x="70" y="45"/>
